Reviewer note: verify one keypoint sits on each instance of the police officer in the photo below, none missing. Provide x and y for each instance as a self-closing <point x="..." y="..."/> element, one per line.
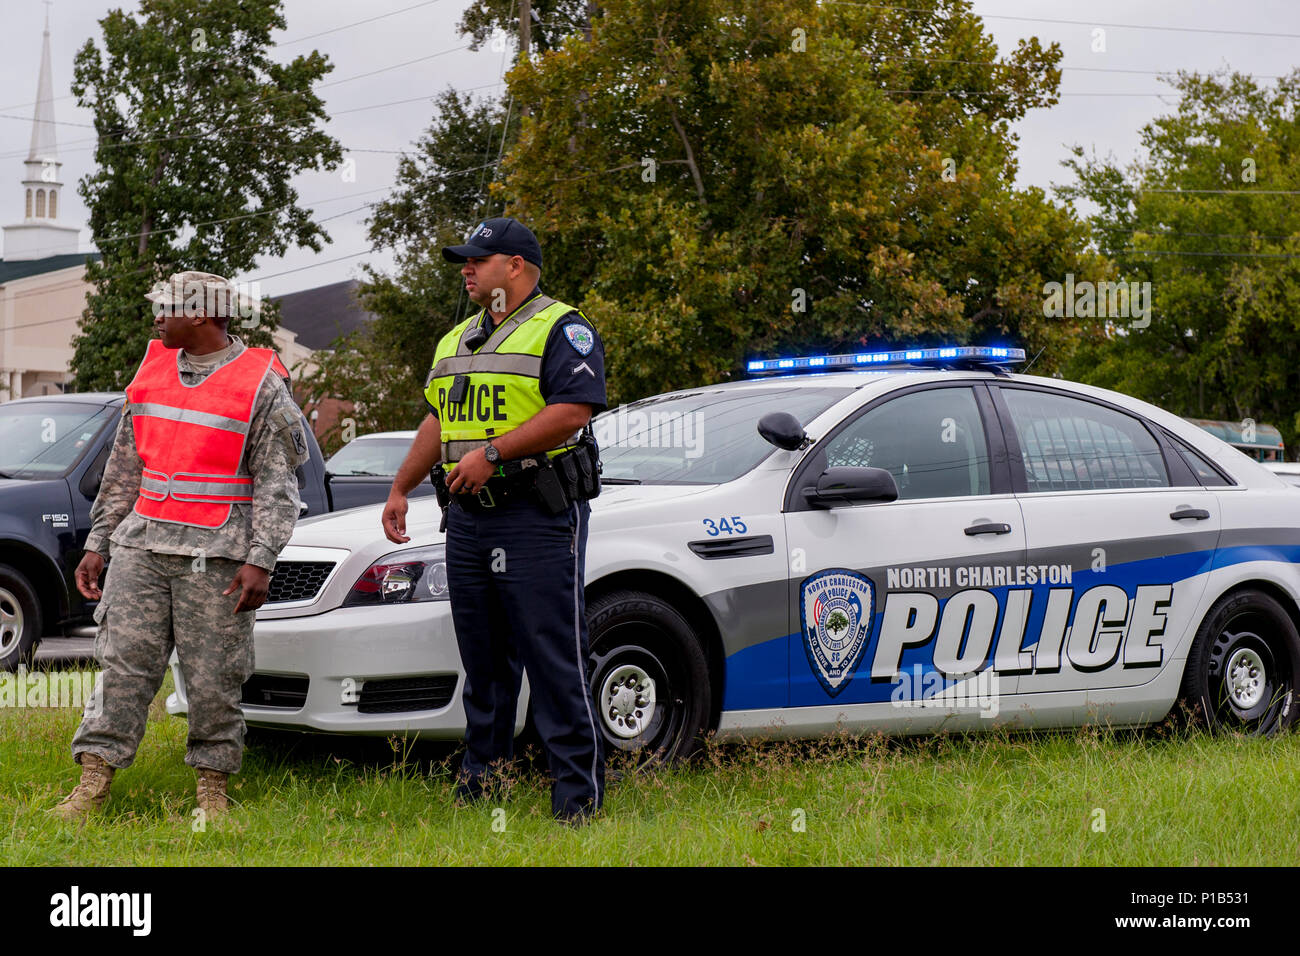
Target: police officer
<point x="510" y="393"/>
<point x="198" y="498"/>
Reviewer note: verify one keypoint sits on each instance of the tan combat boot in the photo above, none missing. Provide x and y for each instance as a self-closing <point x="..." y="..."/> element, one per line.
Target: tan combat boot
<point x="90" y="793"/>
<point x="212" y="793"/>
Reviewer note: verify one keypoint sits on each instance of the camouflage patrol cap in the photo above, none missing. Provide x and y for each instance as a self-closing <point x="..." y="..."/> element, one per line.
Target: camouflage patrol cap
<point x="193" y="292"/>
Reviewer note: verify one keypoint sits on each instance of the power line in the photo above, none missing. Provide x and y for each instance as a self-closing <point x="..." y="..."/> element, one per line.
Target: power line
<point x="1199" y="235"/>
<point x="1230" y="255"/>
<point x="264" y="212"/>
<point x="1079" y="69"/>
<point x="263" y="126"/>
<point x="212" y="222"/>
<point x="1078" y="23"/>
<point x="1012" y="93"/>
<point x="260" y="104"/>
<point x="274" y="275"/>
<point x="1202" y="192"/>
<point x="68" y="96"/>
<point x="357" y="23"/>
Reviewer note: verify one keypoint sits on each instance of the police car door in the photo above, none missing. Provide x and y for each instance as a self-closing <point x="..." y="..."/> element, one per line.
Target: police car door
<point x="1120" y="532"/>
<point x="897" y="606"/>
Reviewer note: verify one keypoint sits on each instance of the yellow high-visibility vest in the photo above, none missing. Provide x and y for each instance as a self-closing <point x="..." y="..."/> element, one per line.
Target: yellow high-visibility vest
<point x="504" y="378"/>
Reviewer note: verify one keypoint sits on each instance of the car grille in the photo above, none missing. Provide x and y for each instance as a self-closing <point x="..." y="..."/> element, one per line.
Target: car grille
<point x="274" y="690"/>
<point x="297" y="580"/>
<point x="406" y="694"/>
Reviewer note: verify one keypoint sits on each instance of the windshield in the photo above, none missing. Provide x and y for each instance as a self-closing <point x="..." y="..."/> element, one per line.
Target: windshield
<point x="369" y="456"/>
<point x="45" y="439"/>
<point x="701" y="437"/>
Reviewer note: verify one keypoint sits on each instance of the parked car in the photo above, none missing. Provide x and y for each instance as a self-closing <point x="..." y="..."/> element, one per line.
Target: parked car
<point x="53" y="450"/>
<point x="904" y="542"/>
<point x="361" y="472"/>
<point x="1288" y="471"/>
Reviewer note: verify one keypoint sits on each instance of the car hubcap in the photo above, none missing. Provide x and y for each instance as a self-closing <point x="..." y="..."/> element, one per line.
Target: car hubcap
<point x="1248" y="685"/>
<point x="627" y="701"/>
<point x="11" y="621"/>
<point x="634" y="689"/>
<point x="1245" y="678"/>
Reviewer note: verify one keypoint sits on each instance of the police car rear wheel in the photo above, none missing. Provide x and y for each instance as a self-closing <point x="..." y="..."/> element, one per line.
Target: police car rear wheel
<point x="649" y="678"/>
<point x="20" y="620"/>
<point x="1244" y="668"/>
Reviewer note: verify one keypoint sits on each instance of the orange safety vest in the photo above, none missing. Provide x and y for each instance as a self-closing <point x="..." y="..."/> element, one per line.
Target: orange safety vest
<point x="191" y="438"/>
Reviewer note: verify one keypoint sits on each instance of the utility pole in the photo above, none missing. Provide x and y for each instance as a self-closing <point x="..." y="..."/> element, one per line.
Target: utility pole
<point x="525" y="38"/>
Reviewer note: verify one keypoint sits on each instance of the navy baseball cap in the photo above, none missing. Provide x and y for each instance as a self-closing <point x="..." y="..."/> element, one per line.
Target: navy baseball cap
<point x="491" y="236"/>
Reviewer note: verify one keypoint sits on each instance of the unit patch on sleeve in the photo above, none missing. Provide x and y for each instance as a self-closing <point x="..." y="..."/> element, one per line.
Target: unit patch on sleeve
<point x="580" y="338"/>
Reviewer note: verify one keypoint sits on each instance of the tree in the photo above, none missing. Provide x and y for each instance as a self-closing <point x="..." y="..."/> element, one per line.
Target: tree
<point x="1209" y="219"/>
<point x="441" y="193"/>
<point x="712" y="181"/>
<point x="199" y="135"/>
<point x="553" y="21"/>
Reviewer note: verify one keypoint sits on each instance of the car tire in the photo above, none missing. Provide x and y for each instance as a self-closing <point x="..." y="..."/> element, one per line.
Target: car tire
<point x="20" y="620"/>
<point x="649" y="678"/>
<point x="1244" y="667"/>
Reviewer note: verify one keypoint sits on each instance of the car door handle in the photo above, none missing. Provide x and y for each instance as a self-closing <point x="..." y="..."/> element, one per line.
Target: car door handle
<point x="1200" y="514"/>
<point x="988" y="527"/>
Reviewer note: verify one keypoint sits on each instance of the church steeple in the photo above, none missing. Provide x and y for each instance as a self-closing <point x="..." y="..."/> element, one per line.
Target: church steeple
<point x="39" y="235"/>
<point x="43" y="142"/>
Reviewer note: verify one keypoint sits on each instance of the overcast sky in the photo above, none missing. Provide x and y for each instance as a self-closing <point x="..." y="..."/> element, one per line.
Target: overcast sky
<point x="1100" y="107"/>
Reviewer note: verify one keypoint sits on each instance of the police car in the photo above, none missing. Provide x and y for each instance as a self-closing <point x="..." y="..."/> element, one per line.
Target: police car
<point x="905" y="542"/>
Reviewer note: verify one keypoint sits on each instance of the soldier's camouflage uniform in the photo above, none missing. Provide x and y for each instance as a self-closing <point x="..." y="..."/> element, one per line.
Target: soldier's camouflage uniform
<point x="165" y="580"/>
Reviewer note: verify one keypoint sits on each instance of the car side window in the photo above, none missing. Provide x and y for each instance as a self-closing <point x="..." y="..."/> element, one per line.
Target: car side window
<point x="931" y="441"/>
<point x="1205" y="473"/>
<point x="1069" y="444"/>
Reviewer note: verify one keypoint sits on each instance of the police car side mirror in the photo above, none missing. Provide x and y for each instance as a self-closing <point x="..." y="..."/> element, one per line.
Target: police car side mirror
<point x="846" y="484"/>
<point x="783" y="430"/>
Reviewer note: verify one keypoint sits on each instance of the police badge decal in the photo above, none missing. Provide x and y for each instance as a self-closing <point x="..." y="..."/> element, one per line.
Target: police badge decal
<point x="835" y="615"/>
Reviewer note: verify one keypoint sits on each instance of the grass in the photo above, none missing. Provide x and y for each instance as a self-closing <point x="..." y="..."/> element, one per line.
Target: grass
<point x="1088" y="797"/>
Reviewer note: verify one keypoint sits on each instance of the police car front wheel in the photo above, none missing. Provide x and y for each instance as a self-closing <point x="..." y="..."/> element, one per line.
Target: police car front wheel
<point x="649" y="677"/>
<point x="1244" y="667"/>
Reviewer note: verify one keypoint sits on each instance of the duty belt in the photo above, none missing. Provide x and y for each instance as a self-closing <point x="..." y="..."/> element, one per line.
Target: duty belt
<point x="513" y="480"/>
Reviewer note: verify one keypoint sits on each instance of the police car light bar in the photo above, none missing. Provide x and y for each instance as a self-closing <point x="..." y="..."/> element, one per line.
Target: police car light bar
<point x="966" y="355"/>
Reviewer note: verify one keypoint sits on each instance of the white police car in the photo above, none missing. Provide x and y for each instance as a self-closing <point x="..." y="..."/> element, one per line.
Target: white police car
<point x="916" y="541"/>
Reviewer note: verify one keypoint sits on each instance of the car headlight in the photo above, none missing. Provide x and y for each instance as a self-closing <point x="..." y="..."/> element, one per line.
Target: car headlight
<point x="403" y="578"/>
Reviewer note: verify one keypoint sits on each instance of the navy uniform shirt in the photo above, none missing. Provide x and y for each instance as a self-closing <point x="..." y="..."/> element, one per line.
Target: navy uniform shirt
<point x="573" y="363"/>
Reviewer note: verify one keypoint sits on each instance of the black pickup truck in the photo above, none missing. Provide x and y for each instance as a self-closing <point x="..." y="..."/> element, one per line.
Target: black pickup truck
<point x="52" y="456"/>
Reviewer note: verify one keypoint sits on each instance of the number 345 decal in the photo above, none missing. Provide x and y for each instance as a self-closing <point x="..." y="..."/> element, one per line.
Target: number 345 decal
<point x="732" y="525"/>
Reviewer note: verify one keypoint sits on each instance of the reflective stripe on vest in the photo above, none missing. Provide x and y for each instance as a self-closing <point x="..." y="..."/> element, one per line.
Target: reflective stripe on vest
<point x="191" y="438"/>
<point x="504" y="389"/>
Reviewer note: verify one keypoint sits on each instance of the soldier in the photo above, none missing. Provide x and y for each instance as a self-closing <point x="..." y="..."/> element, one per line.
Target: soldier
<point x="199" y="496"/>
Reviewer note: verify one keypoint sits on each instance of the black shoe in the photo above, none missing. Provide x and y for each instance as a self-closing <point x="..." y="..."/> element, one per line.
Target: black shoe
<point x="576" y="819"/>
<point x="478" y="789"/>
<point x="576" y="815"/>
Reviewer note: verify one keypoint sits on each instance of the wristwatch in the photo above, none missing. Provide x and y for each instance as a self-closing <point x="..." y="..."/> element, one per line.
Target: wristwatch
<point x="491" y="454"/>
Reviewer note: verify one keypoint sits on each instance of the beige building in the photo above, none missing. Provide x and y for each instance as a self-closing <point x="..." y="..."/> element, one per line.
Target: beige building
<point x="42" y="285"/>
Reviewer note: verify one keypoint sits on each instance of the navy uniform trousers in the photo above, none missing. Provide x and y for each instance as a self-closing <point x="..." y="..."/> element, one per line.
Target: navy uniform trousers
<point x="515" y="573"/>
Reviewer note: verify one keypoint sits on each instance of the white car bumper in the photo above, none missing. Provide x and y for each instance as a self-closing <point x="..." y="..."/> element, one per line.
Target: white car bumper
<point x="357" y="670"/>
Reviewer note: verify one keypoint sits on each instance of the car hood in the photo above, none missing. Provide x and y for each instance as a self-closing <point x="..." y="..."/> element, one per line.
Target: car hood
<point x="357" y="527"/>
